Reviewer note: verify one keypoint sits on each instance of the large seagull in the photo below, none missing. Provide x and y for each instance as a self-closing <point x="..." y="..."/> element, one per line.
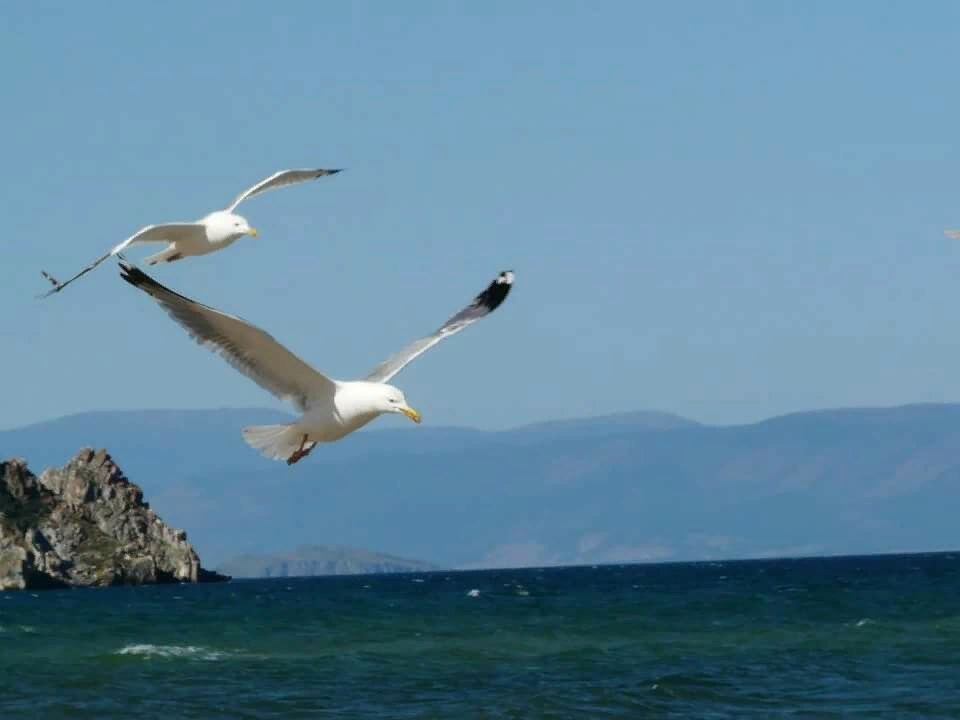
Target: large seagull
<point x="213" y="232"/>
<point x="330" y="409"/>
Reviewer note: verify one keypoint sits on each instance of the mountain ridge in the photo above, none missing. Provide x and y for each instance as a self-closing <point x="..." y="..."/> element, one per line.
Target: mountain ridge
<point x="310" y="560"/>
<point x="657" y="417"/>
<point x="607" y="489"/>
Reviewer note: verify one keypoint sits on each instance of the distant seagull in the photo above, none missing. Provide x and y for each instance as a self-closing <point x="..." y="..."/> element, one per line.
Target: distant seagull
<point x="216" y="231"/>
<point x="330" y="409"/>
<point x="955" y="234"/>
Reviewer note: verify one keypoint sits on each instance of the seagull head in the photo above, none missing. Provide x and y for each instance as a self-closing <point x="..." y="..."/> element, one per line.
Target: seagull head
<point x="393" y="400"/>
<point x="223" y="226"/>
<point x="365" y="399"/>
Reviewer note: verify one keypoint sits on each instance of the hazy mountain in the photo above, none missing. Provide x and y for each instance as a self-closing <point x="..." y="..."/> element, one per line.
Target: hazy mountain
<point x="638" y="420"/>
<point x="639" y="486"/>
<point x="319" y="560"/>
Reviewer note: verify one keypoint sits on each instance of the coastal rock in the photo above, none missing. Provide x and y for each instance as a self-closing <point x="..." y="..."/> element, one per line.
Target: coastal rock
<point x="86" y="524"/>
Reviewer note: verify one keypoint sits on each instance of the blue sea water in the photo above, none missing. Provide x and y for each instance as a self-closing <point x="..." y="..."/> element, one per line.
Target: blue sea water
<point x="813" y="638"/>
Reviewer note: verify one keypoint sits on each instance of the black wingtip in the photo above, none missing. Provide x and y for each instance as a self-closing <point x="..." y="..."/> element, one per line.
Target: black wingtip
<point x="140" y="280"/>
<point x="134" y="275"/>
<point x="57" y="286"/>
<point x="497" y="291"/>
<point x="332" y="171"/>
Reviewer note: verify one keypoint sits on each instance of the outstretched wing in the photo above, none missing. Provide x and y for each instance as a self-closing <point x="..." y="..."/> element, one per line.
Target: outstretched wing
<point x="482" y="305"/>
<point x="167" y="232"/>
<point x="247" y="348"/>
<point x="279" y="179"/>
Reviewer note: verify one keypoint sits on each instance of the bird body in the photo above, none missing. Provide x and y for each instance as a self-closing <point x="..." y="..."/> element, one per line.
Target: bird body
<point x="213" y="232"/>
<point x="353" y="405"/>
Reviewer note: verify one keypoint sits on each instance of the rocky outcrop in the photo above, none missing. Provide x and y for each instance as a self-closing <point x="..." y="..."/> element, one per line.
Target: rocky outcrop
<point x="83" y="525"/>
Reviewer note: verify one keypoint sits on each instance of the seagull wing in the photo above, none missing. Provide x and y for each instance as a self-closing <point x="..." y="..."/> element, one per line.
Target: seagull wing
<point x="482" y="305"/>
<point x="247" y="348"/>
<point x="191" y="232"/>
<point x="279" y="179"/>
<point x="168" y="232"/>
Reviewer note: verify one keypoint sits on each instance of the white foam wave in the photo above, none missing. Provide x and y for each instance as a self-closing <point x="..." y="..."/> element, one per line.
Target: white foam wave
<point x="171" y="651"/>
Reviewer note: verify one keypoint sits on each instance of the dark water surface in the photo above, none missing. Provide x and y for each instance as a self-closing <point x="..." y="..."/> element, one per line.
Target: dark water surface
<point x="817" y="638"/>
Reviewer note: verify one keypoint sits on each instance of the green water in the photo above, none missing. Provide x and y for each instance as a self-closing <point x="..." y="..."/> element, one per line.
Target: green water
<point x="843" y="637"/>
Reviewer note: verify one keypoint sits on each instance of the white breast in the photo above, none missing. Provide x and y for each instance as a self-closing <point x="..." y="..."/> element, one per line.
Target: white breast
<point x="332" y="420"/>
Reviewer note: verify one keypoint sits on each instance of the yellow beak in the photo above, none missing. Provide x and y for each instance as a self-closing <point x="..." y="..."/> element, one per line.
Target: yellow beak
<point x="412" y="414"/>
<point x="253" y="232"/>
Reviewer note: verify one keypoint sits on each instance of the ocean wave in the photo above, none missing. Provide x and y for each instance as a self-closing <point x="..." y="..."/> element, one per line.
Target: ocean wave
<point x="191" y="652"/>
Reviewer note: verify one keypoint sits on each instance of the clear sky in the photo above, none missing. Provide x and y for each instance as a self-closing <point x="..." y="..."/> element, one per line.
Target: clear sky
<point x="728" y="210"/>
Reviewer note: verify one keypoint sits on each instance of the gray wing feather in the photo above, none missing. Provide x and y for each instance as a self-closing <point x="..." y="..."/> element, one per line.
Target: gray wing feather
<point x="279" y="179"/>
<point x="246" y="348"/>
<point x="481" y="306"/>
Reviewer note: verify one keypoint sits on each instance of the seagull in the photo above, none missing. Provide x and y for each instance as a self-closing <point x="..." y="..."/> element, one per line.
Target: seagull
<point x="213" y="232"/>
<point x="330" y="409"/>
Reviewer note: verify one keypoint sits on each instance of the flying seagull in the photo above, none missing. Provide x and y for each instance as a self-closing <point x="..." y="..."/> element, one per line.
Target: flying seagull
<point x="330" y="409"/>
<point x="216" y="231"/>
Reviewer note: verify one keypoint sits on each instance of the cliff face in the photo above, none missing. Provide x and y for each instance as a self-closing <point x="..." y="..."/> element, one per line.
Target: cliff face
<point x="86" y="524"/>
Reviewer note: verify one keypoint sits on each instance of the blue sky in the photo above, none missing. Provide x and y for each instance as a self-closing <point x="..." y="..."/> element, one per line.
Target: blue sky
<point x="725" y="210"/>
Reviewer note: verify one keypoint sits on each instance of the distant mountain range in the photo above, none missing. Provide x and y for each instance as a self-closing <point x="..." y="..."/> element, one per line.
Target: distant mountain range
<point x="310" y="560"/>
<point x="625" y="488"/>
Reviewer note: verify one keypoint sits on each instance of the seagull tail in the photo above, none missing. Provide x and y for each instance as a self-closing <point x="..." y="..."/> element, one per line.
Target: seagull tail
<point x="277" y="442"/>
<point x="169" y="255"/>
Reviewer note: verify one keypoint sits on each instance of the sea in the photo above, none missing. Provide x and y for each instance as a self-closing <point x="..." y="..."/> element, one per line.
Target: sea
<point x="842" y="637"/>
